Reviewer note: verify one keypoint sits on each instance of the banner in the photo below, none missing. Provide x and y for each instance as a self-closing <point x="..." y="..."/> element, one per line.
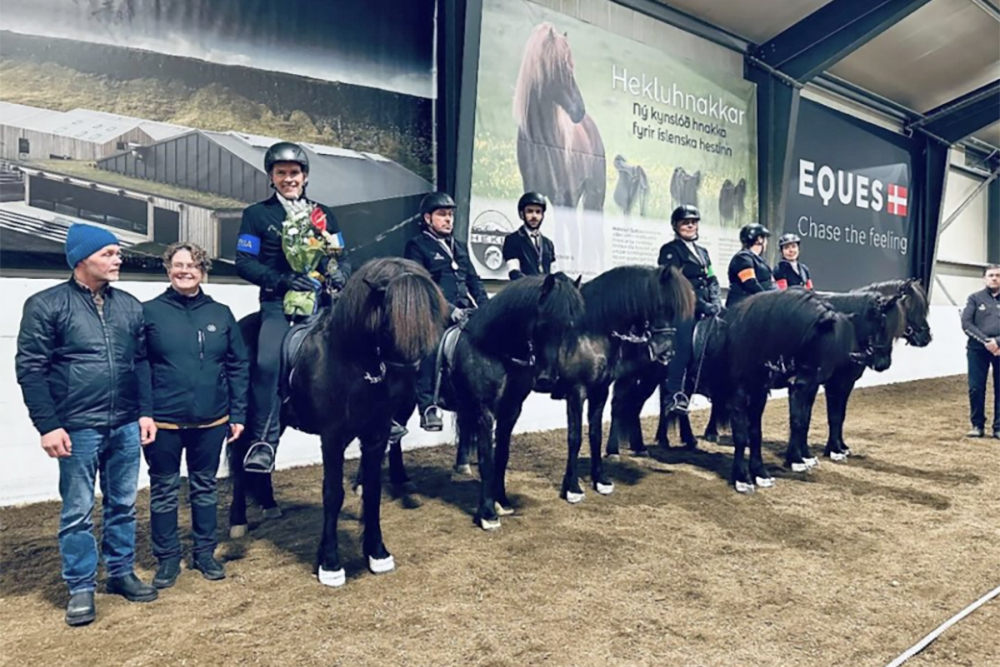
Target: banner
<point x="151" y="118"/>
<point x="613" y="132"/>
<point x="848" y="199"/>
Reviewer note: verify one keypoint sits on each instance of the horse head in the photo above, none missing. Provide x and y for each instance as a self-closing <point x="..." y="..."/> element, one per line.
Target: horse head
<point x="560" y="311"/>
<point x="913" y="301"/>
<point x="873" y="331"/>
<point x="561" y="80"/>
<point x="674" y="301"/>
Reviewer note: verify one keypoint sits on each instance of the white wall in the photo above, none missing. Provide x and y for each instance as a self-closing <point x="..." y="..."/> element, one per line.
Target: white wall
<point x="28" y="475"/>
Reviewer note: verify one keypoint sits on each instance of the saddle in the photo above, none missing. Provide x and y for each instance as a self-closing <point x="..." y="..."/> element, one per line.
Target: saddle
<point x="444" y="360"/>
<point x="290" y="346"/>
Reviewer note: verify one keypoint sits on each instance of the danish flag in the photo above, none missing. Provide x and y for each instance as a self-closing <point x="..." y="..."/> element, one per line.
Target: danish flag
<point x="897" y="200"/>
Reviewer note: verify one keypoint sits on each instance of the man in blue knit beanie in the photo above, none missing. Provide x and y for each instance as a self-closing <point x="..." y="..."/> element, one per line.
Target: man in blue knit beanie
<point x="81" y="363"/>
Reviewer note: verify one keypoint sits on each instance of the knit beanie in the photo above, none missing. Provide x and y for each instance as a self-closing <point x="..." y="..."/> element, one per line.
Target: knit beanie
<point x="82" y="241"/>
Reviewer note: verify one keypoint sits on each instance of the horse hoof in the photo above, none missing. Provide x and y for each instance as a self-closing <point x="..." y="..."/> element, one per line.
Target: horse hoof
<point x="800" y="467"/>
<point x="765" y="482"/>
<point x="489" y="524"/>
<point x="464" y="469"/>
<point x="236" y="532"/>
<point x="573" y="497"/>
<point x="359" y="490"/>
<point x="691" y="444"/>
<point x="380" y="565"/>
<point x="838" y="456"/>
<point x="811" y="462"/>
<point x="501" y="510"/>
<point x="640" y="453"/>
<point x="272" y="513"/>
<point x="613" y="457"/>
<point x="604" y="489"/>
<point x="847" y="452"/>
<point x="334" y="579"/>
<point x="744" y="487"/>
<point x="409" y="487"/>
<point x="710" y="437"/>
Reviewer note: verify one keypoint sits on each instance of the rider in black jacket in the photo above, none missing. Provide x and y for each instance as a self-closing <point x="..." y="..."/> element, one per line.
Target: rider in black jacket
<point x="790" y="272"/>
<point x="748" y="272"/>
<point x="526" y="251"/>
<point x="261" y="260"/>
<point x="696" y="265"/>
<point x="447" y="260"/>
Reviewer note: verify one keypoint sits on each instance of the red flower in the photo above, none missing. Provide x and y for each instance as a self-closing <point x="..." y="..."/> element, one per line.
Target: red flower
<point x="318" y="219"/>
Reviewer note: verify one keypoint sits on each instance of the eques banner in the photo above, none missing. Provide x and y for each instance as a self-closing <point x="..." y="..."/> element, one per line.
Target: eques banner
<point x="848" y="199"/>
<point x="613" y="132"/>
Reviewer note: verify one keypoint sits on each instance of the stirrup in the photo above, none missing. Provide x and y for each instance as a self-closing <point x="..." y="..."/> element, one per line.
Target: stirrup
<point x="679" y="403"/>
<point x="431" y="412"/>
<point x="254" y="447"/>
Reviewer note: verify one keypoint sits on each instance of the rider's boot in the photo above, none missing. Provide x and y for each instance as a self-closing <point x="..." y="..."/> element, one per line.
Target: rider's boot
<point x="260" y="458"/>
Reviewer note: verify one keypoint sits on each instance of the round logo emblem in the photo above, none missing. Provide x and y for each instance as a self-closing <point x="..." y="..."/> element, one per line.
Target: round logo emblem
<point x="211" y="327"/>
<point x="486" y="236"/>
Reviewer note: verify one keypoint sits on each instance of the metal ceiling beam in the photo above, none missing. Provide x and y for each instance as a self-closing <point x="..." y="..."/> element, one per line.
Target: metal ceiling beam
<point x="988" y="7"/>
<point x="831" y="33"/>
<point x="956" y="120"/>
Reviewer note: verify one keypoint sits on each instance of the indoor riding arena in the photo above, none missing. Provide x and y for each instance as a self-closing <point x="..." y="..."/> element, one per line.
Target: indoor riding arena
<point x="500" y="333"/>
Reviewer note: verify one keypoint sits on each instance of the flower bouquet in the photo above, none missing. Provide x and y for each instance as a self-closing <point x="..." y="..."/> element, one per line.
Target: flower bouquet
<point x="305" y="242"/>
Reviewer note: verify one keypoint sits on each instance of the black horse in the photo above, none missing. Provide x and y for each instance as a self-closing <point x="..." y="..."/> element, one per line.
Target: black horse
<point x="362" y="357"/>
<point x="628" y="328"/>
<point x="507" y="346"/>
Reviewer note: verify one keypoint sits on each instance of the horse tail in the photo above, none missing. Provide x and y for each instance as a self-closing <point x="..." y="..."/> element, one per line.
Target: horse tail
<point x="416" y="310"/>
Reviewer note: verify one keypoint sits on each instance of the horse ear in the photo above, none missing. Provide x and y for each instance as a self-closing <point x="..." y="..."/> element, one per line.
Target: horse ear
<point x="579" y="279"/>
<point x="547" y="285"/>
<point x="374" y="287"/>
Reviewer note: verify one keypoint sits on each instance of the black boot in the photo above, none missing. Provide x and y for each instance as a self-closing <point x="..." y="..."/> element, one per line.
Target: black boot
<point x="259" y="458"/>
<point x="430" y="419"/>
<point x="167" y="573"/>
<point x="81" y="609"/>
<point x="131" y="588"/>
<point x="210" y="568"/>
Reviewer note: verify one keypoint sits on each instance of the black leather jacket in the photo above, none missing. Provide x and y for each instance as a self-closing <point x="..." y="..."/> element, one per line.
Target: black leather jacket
<point x="77" y="368"/>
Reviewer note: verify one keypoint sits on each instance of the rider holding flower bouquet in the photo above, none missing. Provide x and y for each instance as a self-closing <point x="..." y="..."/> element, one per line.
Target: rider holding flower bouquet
<point x="291" y="247"/>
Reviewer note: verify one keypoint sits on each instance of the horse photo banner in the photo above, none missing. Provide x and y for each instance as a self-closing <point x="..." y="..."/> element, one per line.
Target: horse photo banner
<point x="615" y="134"/>
<point x="848" y="199"/>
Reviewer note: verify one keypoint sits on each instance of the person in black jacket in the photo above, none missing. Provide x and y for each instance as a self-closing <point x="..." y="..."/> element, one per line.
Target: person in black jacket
<point x="790" y="272"/>
<point x="200" y="379"/>
<point x="81" y="363"/>
<point x="981" y="324"/>
<point x="261" y="260"/>
<point x="447" y="260"/>
<point x="694" y="262"/>
<point x="526" y="251"/>
<point x="748" y="272"/>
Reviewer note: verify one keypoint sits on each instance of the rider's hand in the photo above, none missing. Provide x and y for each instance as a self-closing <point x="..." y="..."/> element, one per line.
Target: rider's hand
<point x="300" y="282"/>
<point x="460" y="315"/>
<point x="336" y="279"/>
<point x="57" y="444"/>
<point x="711" y="309"/>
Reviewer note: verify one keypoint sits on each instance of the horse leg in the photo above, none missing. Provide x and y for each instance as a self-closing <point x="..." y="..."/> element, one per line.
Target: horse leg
<point x="483" y="438"/>
<point x="801" y="398"/>
<point x="373" y="446"/>
<point x="238" y="479"/>
<point x="401" y="483"/>
<point x="571" y="490"/>
<point x="506" y="419"/>
<point x="464" y="448"/>
<point x="838" y="391"/>
<point x="330" y="572"/>
<point x="666" y="418"/>
<point x="596" y="401"/>
<point x="712" y="428"/>
<point x="739" y="411"/>
<point x="616" y="435"/>
<point x="637" y="396"/>
<point x="758" y="471"/>
<point x="687" y="435"/>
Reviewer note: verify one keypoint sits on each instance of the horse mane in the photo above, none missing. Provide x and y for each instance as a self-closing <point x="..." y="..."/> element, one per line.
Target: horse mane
<point x="538" y="65"/>
<point x="862" y="304"/>
<point x="505" y="323"/>
<point x="769" y="325"/>
<point x="389" y="293"/>
<point x="628" y="296"/>
<point x="916" y="298"/>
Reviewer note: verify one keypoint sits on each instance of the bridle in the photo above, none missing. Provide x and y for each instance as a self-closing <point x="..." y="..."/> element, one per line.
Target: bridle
<point x="645" y="337"/>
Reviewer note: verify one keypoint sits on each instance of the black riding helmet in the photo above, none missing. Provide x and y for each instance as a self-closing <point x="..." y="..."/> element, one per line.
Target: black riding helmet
<point x="685" y="212"/>
<point x="750" y="233"/>
<point x="434" y="201"/>
<point x="530" y="199"/>
<point x="286" y="151"/>
<point x="788" y="239"/>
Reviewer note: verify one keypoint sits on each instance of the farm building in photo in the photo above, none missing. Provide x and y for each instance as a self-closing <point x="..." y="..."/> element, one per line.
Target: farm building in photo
<point x="31" y="133"/>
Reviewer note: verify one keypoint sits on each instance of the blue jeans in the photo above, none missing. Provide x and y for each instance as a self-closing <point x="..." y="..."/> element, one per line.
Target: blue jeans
<point x="114" y="453"/>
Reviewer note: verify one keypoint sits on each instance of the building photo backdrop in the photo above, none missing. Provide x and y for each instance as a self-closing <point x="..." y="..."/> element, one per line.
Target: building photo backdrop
<point x="615" y="134"/>
<point x="151" y="117"/>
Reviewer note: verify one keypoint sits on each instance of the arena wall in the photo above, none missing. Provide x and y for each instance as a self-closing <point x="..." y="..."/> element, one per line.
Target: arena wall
<point x="28" y="475"/>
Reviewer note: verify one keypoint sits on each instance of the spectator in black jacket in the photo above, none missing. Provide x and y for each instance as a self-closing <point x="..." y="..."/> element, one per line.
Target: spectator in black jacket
<point x="81" y="363"/>
<point x="981" y="323"/>
<point x="200" y="380"/>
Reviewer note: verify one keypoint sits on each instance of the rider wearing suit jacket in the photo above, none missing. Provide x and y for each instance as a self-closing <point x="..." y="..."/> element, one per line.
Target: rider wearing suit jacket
<point x="447" y="260"/>
<point x="696" y="265"/>
<point x="526" y="251"/>
<point x="748" y="272"/>
<point x="790" y="272"/>
<point x="261" y="260"/>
